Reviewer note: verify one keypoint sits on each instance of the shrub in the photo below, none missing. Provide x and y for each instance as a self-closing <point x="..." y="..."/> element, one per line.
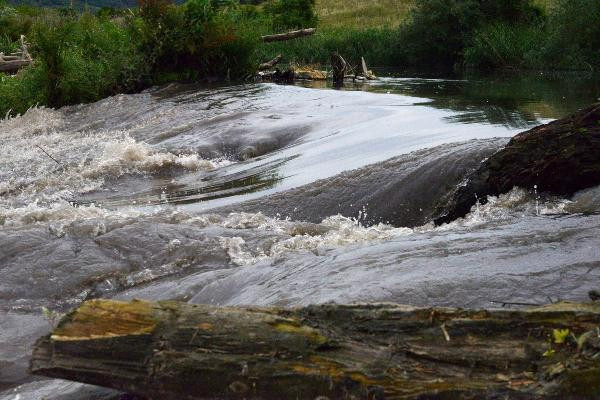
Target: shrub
<point x="573" y="35"/>
<point x="292" y="14"/>
<point x="85" y="59"/>
<point x="376" y="45"/>
<point x="440" y="30"/>
<point x="503" y="45"/>
<point x="20" y="92"/>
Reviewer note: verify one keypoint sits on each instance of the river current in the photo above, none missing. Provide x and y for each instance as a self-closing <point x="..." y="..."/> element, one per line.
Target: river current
<point x="264" y="194"/>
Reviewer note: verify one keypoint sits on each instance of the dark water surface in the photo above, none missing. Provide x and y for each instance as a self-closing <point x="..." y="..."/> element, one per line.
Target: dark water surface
<point x="279" y="195"/>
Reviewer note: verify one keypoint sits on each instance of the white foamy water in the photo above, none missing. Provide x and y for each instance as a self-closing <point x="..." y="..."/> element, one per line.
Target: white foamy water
<point x="44" y="166"/>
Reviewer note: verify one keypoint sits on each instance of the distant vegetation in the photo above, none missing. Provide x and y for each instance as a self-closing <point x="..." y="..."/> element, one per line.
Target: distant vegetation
<point x="84" y="55"/>
<point x="455" y="34"/>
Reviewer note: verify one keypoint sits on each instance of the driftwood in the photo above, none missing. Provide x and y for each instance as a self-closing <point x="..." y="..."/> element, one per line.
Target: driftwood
<point x="288" y="35"/>
<point x="365" y="71"/>
<point x="15" y="61"/>
<point x="270" y="64"/>
<point x="339" y="67"/>
<point x="170" y="350"/>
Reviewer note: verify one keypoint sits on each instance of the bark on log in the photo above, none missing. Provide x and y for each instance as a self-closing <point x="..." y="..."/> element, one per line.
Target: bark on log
<point x="170" y="350"/>
<point x="280" y="37"/>
<point x="270" y="64"/>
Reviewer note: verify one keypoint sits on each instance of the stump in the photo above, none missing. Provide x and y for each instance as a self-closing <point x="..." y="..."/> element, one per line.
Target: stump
<point x="170" y="350"/>
<point x="339" y="67"/>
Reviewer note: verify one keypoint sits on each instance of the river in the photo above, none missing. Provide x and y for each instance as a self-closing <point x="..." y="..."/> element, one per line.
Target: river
<point x="268" y="194"/>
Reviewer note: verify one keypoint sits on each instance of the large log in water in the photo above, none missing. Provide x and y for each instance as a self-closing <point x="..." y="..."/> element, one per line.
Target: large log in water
<point x="170" y="350"/>
<point x="560" y="158"/>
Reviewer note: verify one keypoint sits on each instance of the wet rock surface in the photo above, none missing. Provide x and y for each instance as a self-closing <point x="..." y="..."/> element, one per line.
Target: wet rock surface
<point x="559" y="158"/>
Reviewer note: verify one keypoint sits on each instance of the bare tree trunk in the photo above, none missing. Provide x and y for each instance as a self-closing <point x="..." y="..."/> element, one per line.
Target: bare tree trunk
<point x="170" y="350"/>
<point x="288" y="35"/>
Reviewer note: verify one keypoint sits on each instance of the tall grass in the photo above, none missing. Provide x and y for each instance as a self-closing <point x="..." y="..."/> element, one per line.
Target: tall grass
<point x="376" y="45"/>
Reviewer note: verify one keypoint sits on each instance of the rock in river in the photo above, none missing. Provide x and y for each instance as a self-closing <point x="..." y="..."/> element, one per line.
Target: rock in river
<point x="559" y="158"/>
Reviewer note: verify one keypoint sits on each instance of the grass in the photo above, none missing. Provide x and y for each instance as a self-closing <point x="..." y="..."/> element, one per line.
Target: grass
<point x="376" y="45"/>
<point x="362" y="14"/>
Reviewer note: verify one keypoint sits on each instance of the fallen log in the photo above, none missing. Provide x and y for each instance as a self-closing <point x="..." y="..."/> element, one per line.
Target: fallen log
<point x="270" y="64"/>
<point x="16" y="61"/>
<point x="280" y="37"/>
<point x="558" y="158"/>
<point x="170" y="350"/>
<point x="13" y="65"/>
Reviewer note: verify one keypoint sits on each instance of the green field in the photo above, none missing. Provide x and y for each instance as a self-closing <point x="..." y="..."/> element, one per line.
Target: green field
<point x="373" y="13"/>
<point x="365" y="14"/>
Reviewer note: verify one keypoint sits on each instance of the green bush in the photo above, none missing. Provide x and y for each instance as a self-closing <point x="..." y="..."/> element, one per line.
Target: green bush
<point x="573" y="38"/>
<point x="505" y="46"/>
<point x="291" y="14"/>
<point x="440" y="30"/>
<point x="376" y="45"/>
<point x="85" y="59"/>
<point x="20" y="92"/>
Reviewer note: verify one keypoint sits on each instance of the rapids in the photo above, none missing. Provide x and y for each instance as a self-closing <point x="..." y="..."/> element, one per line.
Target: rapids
<point x="278" y="195"/>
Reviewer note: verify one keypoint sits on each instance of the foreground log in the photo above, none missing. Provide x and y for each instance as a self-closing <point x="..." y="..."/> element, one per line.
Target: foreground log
<point x="170" y="350"/>
<point x="280" y="37"/>
<point x="559" y="158"/>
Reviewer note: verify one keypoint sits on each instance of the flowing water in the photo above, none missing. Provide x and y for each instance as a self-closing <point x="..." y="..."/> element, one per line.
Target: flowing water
<point x="278" y="195"/>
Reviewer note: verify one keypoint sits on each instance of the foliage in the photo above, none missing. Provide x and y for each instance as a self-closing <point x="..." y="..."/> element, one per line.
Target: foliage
<point x="440" y="30"/>
<point x="291" y="14"/>
<point x="376" y="45"/>
<point x="573" y="38"/>
<point x="504" y="45"/>
<point x="85" y="59"/>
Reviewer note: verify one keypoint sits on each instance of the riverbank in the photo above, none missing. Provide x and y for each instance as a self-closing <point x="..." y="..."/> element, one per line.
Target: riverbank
<point x="83" y="58"/>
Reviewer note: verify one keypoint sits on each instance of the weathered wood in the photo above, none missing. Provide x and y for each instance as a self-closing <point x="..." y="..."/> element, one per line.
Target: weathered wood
<point x="365" y="71"/>
<point x="339" y="67"/>
<point x="13" y="66"/>
<point x="270" y="64"/>
<point x="170" y="350"/>
<point x="16" y="61"/>
<point x="280" y="37"/>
